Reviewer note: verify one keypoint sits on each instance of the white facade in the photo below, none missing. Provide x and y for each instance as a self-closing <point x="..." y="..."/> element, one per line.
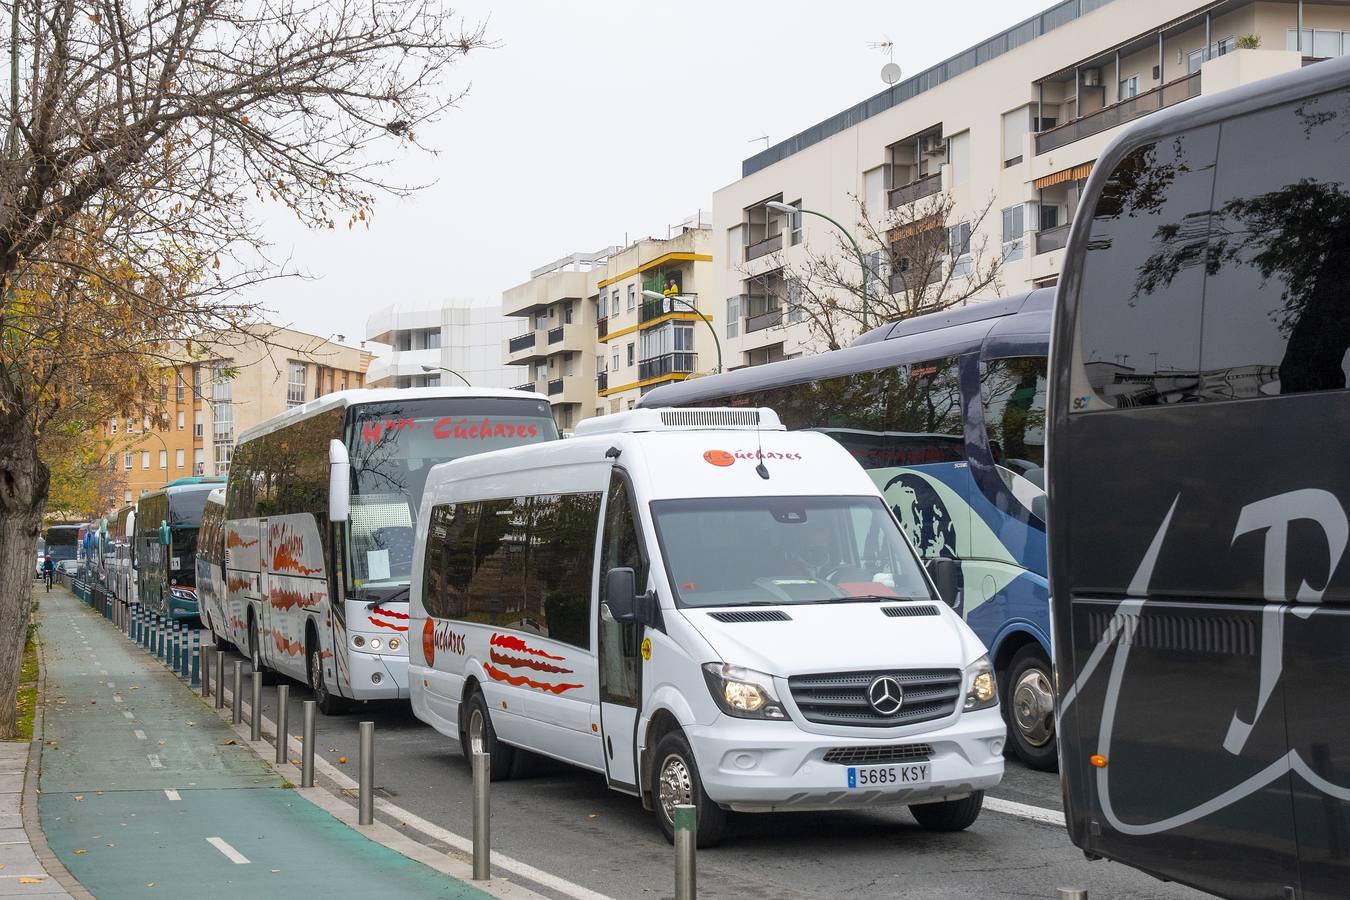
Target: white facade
<point x="465" y="336"/>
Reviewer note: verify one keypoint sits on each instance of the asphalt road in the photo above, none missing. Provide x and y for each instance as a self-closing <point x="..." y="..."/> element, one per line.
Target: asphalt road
<point x="566" y="822"/>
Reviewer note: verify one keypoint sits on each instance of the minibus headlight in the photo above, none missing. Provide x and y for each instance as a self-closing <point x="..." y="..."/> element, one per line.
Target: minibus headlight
<point x="981" y="687"/>
<point x="394" y="643"/>
<point x="743" y="693"/>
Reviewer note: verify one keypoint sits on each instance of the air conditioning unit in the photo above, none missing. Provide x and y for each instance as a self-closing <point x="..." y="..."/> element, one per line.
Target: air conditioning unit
<point x="933" y="145"/>
<point x="1091" y="77"/>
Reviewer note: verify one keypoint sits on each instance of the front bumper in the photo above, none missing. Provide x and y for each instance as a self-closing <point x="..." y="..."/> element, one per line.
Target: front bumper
<point x="755" y="766"/>
<point x="392" y="672"/>
<point x="182" y="607"/>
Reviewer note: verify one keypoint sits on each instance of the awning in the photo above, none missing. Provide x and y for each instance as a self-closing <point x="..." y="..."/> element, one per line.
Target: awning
<point x="1077" y="173"/>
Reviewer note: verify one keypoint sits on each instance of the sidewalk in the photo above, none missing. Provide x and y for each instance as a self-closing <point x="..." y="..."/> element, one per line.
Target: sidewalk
<point x="146" y="791"/>
<point x="21" y="873"/>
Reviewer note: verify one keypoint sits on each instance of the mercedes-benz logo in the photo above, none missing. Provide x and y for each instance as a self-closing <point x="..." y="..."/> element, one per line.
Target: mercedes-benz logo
<point x="886" y="695"/>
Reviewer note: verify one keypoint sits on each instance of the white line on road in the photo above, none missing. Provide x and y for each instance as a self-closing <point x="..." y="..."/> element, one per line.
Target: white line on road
<point x="1035" y="813"/>
<point x="129" y="715"/>
<point x="171" y="794"/>
<point x="231" y="854"/>
<point x="154" y="761"/>
<point x="117" y="698"/>
<point x="140" y="735"/>
<point x="112" y="684"/>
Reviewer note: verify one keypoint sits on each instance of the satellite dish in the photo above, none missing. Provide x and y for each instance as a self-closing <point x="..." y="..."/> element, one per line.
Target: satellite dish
<point x="890" y="73"/>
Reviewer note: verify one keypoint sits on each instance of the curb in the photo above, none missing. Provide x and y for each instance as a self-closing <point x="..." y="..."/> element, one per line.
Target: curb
<point x="32" y="824"/>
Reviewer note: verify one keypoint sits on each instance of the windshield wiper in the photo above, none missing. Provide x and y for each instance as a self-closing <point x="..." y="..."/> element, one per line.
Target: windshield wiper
<point x="859" y="598"/>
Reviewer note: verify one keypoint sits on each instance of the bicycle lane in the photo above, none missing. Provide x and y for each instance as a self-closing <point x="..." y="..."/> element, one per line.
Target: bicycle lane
<point x="145" y="790"/>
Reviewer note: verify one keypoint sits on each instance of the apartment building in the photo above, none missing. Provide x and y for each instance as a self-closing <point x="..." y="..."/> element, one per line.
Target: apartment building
<point x="1013" y="124"/>
<point x="204" y="403"/>
<point x="454" y="342"/>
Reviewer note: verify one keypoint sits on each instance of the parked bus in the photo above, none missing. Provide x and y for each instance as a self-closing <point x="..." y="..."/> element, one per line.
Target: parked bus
<point x="946" y="412"/>
<point x="211" y="568"/>
<point x="166" y="545"/>
<point x="708" y="611"/>
<point x="1200" y="490"/>
<point x="319" y="527"/>
<point x="63" y="543"/>
<point x="122" y="534"/>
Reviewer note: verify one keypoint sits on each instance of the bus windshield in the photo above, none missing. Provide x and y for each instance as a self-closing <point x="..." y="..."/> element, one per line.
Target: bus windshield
<point x="185" y="507"/>
<point x="757" y="551"/>
<point x="393" y="446"/>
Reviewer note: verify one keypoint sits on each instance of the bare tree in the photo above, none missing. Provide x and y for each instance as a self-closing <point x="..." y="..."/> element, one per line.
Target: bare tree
<point x="919" y="258"/>
<point x="142" y="141"/>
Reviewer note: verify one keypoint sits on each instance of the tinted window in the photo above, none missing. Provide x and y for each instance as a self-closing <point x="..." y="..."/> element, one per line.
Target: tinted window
<point x="1277" y="299"/>
<point x="524" y="563"/>
<point x="1142" y="290"/>
<point x="1013" y="391"/>
<point x="621" y="547"/>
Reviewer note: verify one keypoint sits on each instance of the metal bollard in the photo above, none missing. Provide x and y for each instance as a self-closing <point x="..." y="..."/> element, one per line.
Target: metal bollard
<point x="307" y="745"/>
<point x="206" y="676"/>
<point x="482" y="817"/>
<point x="220" y="679"/>
<point x="283" y="698"/>
<point x="139" y="637"/>
<point x="255" y="714"/>
<point x="187" y="657"/>
<point x="686" y="826"/>
<point x="198" y="676"/>
<point x="366" y="773"/>
<point x="1071" y="893"/>
<point x="161" y="628"/>
<point x="172" y="655"/>
<point x="237" y="699"/>
<point x="149" y="641"/>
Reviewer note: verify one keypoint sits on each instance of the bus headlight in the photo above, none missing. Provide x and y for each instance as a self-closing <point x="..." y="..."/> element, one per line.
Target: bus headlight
<point x="374" y="643"/>
<point x="982" y="690"/>
<point x="743" y="693"/>
<point x="393" y="643"/>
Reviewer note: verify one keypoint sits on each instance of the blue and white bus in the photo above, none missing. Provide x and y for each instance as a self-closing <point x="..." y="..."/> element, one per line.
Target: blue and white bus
<point x="947" y="413"/>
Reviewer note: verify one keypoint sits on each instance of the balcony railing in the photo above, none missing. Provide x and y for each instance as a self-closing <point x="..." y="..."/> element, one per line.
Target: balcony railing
<point x="602" y="381"/>
<point x="903" y="281"/>
<point x="665" y="365"/>
<point x="555" y="335"/>
<point x="655" y="309"/>
<point x="527" y="386"/>
<point x="764" y="247"/>
<point x="602" y="327"/>
<point x="1049" y="239"/>
<point x="915" y="190"/>
<point x="770" y="319"/>
<point x="555" y="387"/>
<point x="524" y="342"/>
<point x="1162" y="97"/>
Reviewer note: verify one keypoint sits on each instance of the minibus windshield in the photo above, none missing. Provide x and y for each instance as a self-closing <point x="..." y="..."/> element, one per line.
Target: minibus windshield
<point x="756" y="551"/>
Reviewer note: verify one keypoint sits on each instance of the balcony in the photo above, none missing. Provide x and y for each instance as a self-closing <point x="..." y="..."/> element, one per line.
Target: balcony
<point x="1108" y="117"/>
<point x="555" y="387"/>
<point x="602" y="327"/>
<point x="524" y="342"/>
<point x="915" y="190"/>
<point x="764" y="247"/>
<point x="667" y="364"/>
<point x="555" y="335"/>
<point x="1051" y="239"/>
<point x="655" y="309"/>
<point x="900" y="282"/>
<point x="771" y="319"/>
<point x="602" y="381"/>
<point x="527" y="386"/>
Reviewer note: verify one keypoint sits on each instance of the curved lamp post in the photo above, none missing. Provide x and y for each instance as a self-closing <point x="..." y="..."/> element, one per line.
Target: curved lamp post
<point x="430" y="369"/>
<point x="656" y="295"/>
<point x="788" y="210"/>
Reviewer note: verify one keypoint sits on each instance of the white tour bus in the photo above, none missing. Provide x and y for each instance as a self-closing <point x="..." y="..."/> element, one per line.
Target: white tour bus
<point x="318" y="530"/>
<point x="211" y="567"/>
<point x="707" y="609"/>
<point x="122" y="574"/>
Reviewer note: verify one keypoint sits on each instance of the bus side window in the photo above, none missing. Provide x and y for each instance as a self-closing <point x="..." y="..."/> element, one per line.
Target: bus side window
<point x="620" y="547"/>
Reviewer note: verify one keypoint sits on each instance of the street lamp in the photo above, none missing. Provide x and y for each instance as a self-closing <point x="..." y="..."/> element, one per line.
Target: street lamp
<point x="788" y="210"/>
<point x="678" y="298"/>
<point x="430" y="369"/>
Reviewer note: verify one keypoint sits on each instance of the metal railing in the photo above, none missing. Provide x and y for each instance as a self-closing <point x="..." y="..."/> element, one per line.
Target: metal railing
<point x="1162" y="97"/>
<point x="770" y="319"/>
<point x="555" y="335"/>
<point x="666" y="364"/>
<point x="915" y="190"/>
<point x="655" y="309"/>
<point x="527" y="386"/>
<point x="601" y="327"/>
<point x="602" y="381"/>
<point x="899" y="282"/>
<point x="1049" y="239"/>
<point x="555" y="387"/>
<point x="523" y="342"/>
<point x="764" y="247"/>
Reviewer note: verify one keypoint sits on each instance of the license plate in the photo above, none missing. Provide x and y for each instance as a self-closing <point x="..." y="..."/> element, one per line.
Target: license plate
<point x="860" y="777"/>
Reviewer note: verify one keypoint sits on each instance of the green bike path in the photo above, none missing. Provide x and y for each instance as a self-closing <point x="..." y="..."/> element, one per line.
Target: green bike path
<point x="145" y="791"/>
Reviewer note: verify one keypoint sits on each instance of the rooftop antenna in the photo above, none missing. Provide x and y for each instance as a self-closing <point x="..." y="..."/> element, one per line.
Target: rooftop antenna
<point x="762" y="137"/>
<point x="890" y="73"/>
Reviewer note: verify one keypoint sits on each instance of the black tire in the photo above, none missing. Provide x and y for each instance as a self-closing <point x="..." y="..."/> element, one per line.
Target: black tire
<point x="675" y="779"/>
<point x="328" y="703"/>
<point x="221" y="643"/>
<point x="949" y="815"/>
<point x="475" y="727"/>
<point x="254" y="653"/>
<point x="1029" y="709"/>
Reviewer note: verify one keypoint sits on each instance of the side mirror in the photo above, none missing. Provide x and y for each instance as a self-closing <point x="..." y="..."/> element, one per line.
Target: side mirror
<point x="164" y="533"/>
<point x="946" y="575"/>
<point x="339" y="482"/>
<point x="621" y="596"/>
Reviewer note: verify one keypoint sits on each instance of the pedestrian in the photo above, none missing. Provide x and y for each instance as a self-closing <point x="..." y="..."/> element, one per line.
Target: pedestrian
<point x="48" y="571"/>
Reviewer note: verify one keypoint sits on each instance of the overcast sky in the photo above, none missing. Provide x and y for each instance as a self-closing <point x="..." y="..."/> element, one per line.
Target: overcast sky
<point x="599" y="121"/>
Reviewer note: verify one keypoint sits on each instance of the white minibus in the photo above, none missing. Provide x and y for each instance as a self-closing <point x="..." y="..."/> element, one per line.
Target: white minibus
<point x="705" y="608"/>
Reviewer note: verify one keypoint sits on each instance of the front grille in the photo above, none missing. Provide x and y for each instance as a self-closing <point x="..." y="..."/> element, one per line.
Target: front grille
<point x="862" y="756"/>
<point x="840" y="698"/>
<point x="900" y="612"/>
<point x="751" y="615"/>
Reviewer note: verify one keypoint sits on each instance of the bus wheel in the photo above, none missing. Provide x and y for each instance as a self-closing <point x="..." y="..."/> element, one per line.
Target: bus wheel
<point x="949" y="815"/>
<point x="1029" y="709"/>
<point x="476" y="733"/>
<point x="329" y="703"/>
<point x="220" y="642"/>
<point x="255" y="651"/>
<point x="675" y="781"/>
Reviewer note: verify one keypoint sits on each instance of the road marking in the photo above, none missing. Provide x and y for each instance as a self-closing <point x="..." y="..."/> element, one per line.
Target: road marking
<point x="140" y="735"/>
<point x="154" y="761"/>
<point x="1026" y="811"/>
<point x="231" y="854"/>
<point x="129" y="715"/>
<point x="171" y="794"/>
<point x="117" y="698"/>
<point x="112" y="684"/>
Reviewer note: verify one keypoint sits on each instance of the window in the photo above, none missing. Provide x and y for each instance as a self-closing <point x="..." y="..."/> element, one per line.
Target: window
<point x="958" y="150"/>
<point x="1013" y="392"/>
<point x="567" y="312"/>
<point x="632" y="297"/>
<point x="958" y="246"/>
<point x="1049" y="216"/>
<point x="127" y="461"/>
<point x="795" y="313"/>
<point x="630" y="352"/>
<point x="182" y="420"/>
<point x="1129" y="87"/>
<point x="433" y="339"/>
<point x="196" y="381"/>
<point x="540" y="321"/>
<point x="615" y="366"/>
<point x="163" y="388"/>
<point x="164" y="459"/>
<point x="1013" y="229"/>
<point x="180" y="387"/>
<point x="145" y="459"/>
<point x="874" y="190"/>
<point x="197" y="424"/>
<point x="540" y="370"/>
<point x="1140" y="309"/>
<point x="1016" y="124"/>
<point x="222" y="407"/>
<point x="112" y="427"/>
<point x="126" y="496"/>
<point x="733" y="317"/>
<point x="735" y="245"/>
<point x="198" y="461"/>
<point x="620" y="547"/>
<point x="523" y="563"/>
<point x="600" y="364"/>
<point x="602" y="311"/>
<point x="179" y="458"/>
<point x="795" y="225"/>
<point x="295" y="384"/>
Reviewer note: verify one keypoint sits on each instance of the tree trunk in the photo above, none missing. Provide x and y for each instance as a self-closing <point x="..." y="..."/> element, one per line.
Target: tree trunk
<point x="23" y="495"/>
